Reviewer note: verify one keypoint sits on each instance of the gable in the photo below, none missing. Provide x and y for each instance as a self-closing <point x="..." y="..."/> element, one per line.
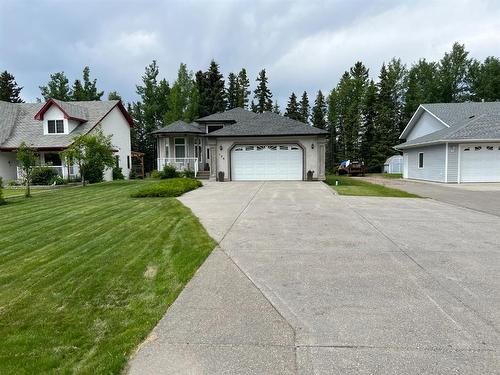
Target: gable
<point x="426" y="124"/>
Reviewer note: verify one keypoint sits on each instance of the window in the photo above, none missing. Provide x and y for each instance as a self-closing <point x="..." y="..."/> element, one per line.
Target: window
<point x="478" y="148"/>
<point x="180" y="148"/>
<point x="128" y="161"/>
<point x="212" y="128"/>
<point x="208" y="153"/>
<point x="489" y="148"/>
<point x="197" y="148"/>
<point x="117" y="161"/>
<point x="55" y="126"/>
<point x="420" y="159"/>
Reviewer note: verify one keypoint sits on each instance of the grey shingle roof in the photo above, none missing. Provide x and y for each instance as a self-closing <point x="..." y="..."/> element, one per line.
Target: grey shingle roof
<point x="266" y="124"/>
<point x="26" y="128"/>
<point x="74" y="111"/>
<point x="180" y="127"/>
<point x="482" y="127"/>
<point x="232" y="115"/>
<point x="455" y="114"/>
<point x="8" y="114"/>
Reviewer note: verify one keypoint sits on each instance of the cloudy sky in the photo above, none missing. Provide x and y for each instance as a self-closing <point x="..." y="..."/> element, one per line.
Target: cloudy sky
<point x="303" y="44"/>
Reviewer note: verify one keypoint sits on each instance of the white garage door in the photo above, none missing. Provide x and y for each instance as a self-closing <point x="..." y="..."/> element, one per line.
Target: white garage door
<point x="480" y="162"/>
<point x="266" y="162"/>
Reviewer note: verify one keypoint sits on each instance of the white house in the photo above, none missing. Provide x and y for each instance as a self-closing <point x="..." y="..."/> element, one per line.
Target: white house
<point x="50" y="128"/>
<point x="244" y="146"/>
<point x="453" y="143"/>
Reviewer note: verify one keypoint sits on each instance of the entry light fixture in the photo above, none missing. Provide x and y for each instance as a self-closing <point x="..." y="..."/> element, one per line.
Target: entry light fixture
<point x="312" y="146"/>
<point x="220" y="147"/>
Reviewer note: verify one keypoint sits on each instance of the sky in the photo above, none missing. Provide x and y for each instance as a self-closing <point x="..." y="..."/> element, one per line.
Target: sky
<point x="303" y="44"/>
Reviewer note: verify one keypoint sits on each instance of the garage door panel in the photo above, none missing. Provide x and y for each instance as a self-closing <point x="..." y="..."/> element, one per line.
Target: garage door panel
<point x="266" y="162"/>
<point x="480" y="162"/>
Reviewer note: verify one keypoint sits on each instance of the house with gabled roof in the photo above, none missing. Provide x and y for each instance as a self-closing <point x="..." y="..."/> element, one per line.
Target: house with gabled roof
<point x="244" y="145"/>
<point x="50" y="128"/>
<point x="453" y="143"/>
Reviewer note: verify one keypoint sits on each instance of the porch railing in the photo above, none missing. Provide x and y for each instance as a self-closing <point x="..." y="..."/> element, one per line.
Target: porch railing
<point x="62" y="171"/>
<point x="180" y="164"/>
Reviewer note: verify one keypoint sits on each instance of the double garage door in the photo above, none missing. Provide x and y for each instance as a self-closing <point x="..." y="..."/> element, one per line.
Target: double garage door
<point x="480" y="162"/>
<point x="266" y="162"/>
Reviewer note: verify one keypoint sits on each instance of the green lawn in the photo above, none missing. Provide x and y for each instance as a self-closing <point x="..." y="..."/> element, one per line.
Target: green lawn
<point x="356" y="186"/>
<point x="386" y="175"/>
<point x="86" y="273"/>
<point x="7" y="193"/>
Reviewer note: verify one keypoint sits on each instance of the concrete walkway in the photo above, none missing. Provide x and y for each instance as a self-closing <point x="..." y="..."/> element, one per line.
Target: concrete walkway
<point x="309" y="282"/>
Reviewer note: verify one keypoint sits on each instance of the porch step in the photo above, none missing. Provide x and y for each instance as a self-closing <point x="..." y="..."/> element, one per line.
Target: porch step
<point x="203" y="175"/>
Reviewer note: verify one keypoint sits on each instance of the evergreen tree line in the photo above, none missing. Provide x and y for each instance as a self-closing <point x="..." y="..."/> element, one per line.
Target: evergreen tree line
<point x="364" y="117"/>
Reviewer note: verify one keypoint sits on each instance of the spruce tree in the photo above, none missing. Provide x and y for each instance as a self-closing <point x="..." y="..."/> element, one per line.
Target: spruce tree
<point x="113" y="95"/>
<point x="202" y="90"/>
<point x="179" y="96"/>
<point x="232" y="91"/>
<point x="304" y="108"/>
<point x="262" y="94"/>
<point x="9" y="89"/>
<point x="333" y="123"/>
<point x="57" y="88"/>
<point x="89" y="86"/>
<point x="78" y="92"/>
<point x="276" y="108"/>
<point x="253" y="107"/>
<point x="243" y="89"/>
<point x="292" y="108"/>
<point x="216" y="99"/>
<point x="484" y="80"/>
<point x="318" y="116"/>
<point x="368" y="129"/>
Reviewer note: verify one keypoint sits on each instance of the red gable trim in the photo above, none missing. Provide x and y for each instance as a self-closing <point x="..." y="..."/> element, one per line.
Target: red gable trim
<point x="48" y="104"/>
<point x="125" y="113"/>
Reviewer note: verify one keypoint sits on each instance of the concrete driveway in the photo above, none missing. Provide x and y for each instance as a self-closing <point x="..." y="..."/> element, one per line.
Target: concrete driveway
<point x="484" y="197"/>
<point x="306" y="282"/>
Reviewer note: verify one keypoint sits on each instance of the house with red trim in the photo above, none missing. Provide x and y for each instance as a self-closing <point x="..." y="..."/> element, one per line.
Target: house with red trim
<point x="51" y="127"/>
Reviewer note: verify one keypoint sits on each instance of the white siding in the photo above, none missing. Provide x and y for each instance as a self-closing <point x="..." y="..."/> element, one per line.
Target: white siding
<point x="452" y="163"/>
<point x="434" y="163"/>
<point x="116" y="125"/>
<point x="426" y="124"/>
<point x="54" y="113"/>
<point x="8" y="164"/>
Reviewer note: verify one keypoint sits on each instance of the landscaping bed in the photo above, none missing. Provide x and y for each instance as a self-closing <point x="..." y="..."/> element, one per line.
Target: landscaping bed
<point x="356" y="186"/>
<point x="86" y="273"/>
<point x="172" y="187"/>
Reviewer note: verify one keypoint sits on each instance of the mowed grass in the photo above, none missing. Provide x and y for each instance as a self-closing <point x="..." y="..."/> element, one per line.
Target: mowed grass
<point x="86" y="273"/>
<point x="386" y="175"/>
<point x="358" y="187"/>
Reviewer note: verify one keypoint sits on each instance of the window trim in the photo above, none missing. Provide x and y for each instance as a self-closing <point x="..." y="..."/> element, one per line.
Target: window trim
<point x="183" y="145"/>
<point x="56" y="123"/>
<point x="420" y="160"/>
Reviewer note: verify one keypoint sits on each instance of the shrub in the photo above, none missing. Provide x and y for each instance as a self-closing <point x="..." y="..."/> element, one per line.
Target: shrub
<point x="43" y="175"/>
<point x="169" y="172"/>
<point x="188" y="173"/>
<point x="58" y="180"/>
<point x="118" y="174"/>
<point x="156" y="174"/>
<point x="94" y="173"/>
<point x="172" y="188"/>
<point x="132" y="175"/>
<point x="2" y="201"/>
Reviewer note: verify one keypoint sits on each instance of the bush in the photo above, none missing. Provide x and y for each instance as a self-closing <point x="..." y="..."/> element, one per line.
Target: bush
<point x="118" y="174"/>
<point x="94" y="173"/>
<point x="43" y="175"/>
<point x="2" y="201"/>
<point x="174" y="187"/>
<point x="58" y="180"/>
<point x="156" y="174"/>
<point x="132" y="175"/>
<point x="188" y="173"/>
<point x="169" y="172"/>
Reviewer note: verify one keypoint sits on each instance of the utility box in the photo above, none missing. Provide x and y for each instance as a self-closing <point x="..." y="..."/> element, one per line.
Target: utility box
<point x="310" y="175"/>
<point x="220" y="176"/>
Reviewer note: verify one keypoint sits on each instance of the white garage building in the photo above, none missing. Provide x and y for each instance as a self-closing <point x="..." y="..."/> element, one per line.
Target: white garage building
<point x="453" y="143"/>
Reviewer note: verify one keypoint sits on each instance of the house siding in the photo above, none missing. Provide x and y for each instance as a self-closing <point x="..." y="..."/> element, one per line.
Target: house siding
<point x="453" y="163"/>
<point x="434" y="163"/>
<point x="426" y="124"/>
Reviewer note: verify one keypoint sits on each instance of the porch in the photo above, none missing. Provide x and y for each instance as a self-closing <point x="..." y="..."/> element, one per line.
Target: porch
<point x="180" y="164"/>
<point x="53" y="161"/>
